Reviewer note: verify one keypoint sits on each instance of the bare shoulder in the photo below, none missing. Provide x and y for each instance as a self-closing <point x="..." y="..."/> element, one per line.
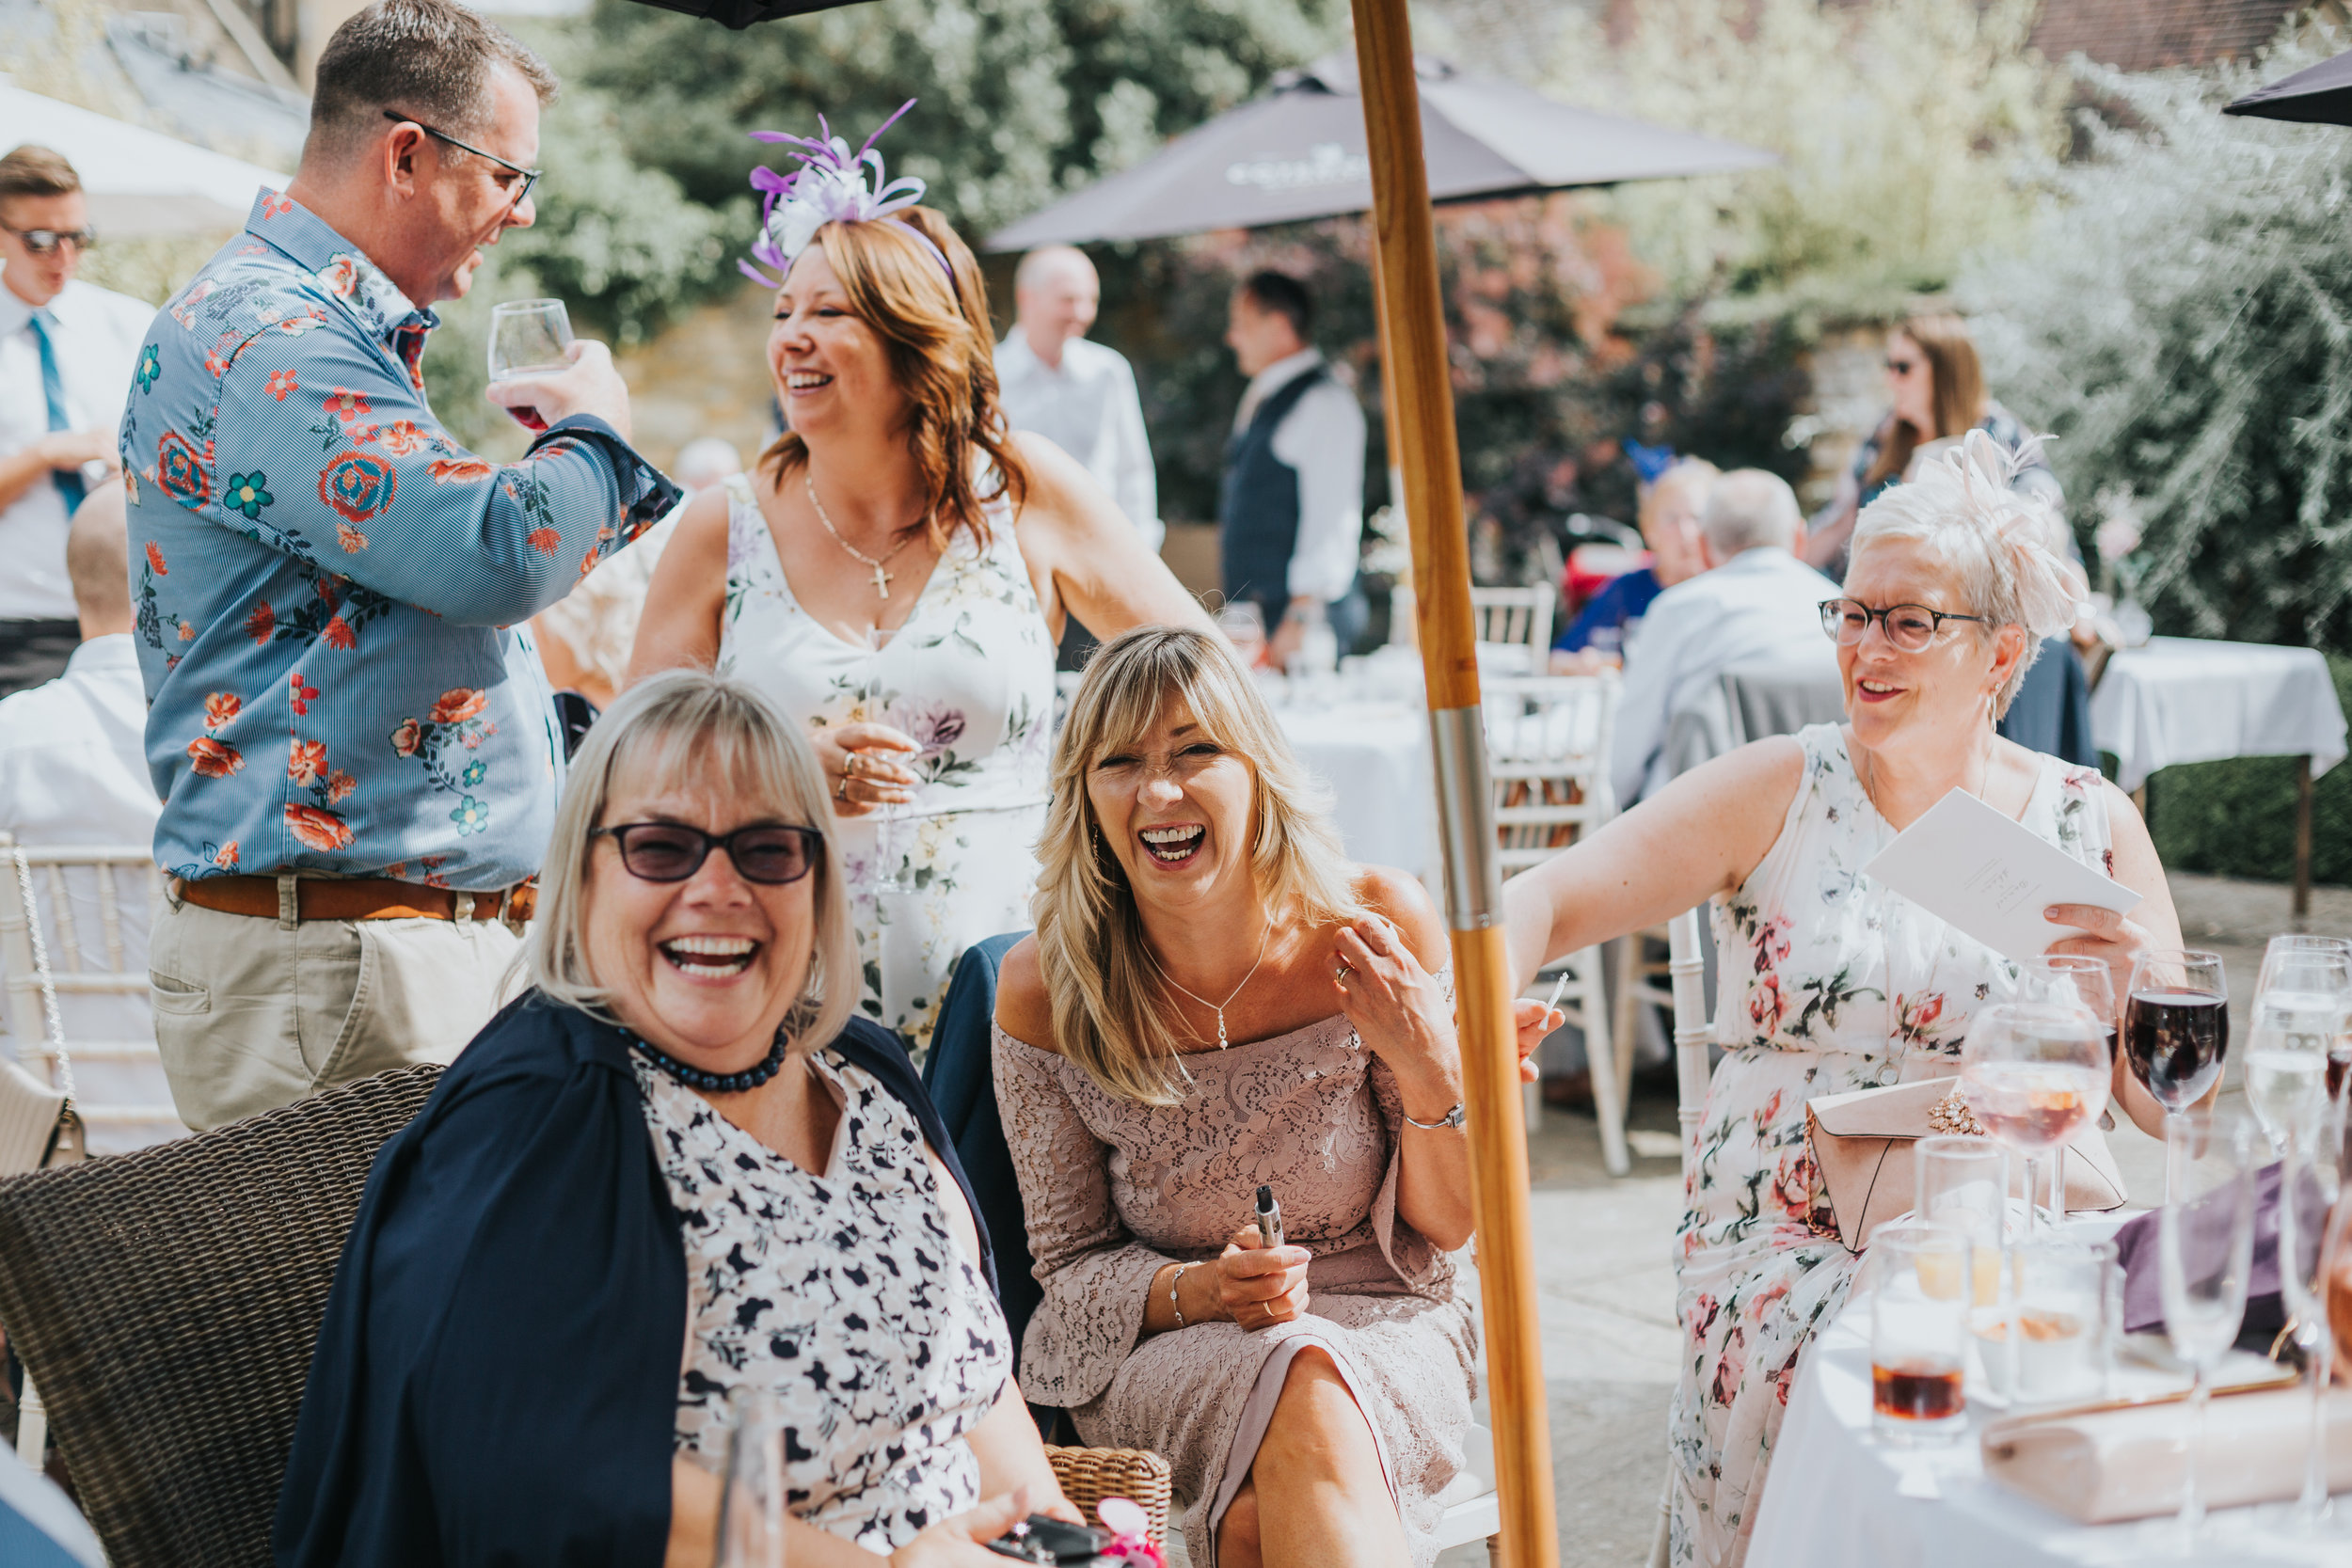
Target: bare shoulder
<point x="702" y="527"/>
<point x="1023" y="1010"/>
<point x="1399" y="897"/>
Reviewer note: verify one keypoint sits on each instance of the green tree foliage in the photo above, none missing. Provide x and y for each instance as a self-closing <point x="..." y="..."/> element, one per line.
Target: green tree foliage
<point x="2183" y="321"/>
<point x="1909" y="132"/>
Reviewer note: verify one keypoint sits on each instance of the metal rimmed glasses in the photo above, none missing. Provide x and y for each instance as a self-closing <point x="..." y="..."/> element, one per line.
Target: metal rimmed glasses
<point x="1909" y="626"/>
<point x="530" y="176"/>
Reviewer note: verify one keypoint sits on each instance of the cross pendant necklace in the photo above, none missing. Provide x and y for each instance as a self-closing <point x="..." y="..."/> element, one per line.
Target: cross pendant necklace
<point x="881" y="578"/>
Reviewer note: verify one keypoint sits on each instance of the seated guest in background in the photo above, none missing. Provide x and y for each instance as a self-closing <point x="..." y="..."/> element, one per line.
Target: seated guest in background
<point x="66" y="350"/>
<point x="682" y="1134"/>
<point x="1670" y="527"/>
<point x="1755" y="600"/>
<point x="72" y="771"/>
<point x="1831" y="983"/>
<point x="350" y="732"/>
<point x="1215" y="999"/>
<point x="1291" y="518"/>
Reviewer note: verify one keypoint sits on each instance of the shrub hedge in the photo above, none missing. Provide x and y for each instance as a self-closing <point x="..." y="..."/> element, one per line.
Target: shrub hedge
<point x="2236" y="819"/>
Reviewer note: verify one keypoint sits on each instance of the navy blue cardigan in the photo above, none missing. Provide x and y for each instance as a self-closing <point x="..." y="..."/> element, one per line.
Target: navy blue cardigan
<point x="496" y="1380"/>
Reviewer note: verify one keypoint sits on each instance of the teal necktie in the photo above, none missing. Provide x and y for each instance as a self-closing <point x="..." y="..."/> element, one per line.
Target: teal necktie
<point x="53" y="387"/>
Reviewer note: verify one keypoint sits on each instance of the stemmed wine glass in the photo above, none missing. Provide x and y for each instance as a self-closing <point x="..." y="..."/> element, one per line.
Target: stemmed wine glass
<point x="2176" y="1029"/>
<point x="890" y="872"/>
<point x="2340" y="1050"/>
<point x="2299" y="1014"/>
<point x="750" y="1508"/>
<point x="2205" y="1251"/>
<point x="529" y="337"/>
<point x="2074" y="979"/>
<point x="2310" y="1185"/>
<point x="2035" y="1073"/>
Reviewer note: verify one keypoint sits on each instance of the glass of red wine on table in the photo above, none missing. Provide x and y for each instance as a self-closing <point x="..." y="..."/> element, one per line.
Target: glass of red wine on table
<point x="529" y="337"/>
<point x="2035" y="1073"/>
<point x="2176" y="1030"/>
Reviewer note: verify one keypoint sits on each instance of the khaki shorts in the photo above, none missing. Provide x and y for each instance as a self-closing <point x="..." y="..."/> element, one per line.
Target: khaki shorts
<point x="253" y="1013"/>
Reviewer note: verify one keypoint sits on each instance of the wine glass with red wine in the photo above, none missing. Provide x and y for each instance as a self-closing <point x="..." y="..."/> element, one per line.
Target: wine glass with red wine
<point x="2176" y="1029"/>
<point x="2035" y="1073"/>
<point x="529" y="337"/>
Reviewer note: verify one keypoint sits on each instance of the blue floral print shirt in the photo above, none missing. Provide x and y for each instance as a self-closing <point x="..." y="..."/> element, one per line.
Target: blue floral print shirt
<point x="329" y="590"/>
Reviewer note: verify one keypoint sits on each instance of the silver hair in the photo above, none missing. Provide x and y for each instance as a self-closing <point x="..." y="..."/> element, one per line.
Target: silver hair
<point x="690" y="730"/>
<point x="1747" y="509"/>
<point x="2005" y="548"/>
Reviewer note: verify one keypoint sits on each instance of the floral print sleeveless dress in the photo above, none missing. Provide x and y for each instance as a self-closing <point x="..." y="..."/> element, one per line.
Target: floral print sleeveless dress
<point x="1827" y="983"/>
<point x="969" y="676"/>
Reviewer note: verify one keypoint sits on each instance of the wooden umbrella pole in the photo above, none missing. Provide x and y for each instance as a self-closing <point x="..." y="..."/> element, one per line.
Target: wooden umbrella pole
<point x="1413" y="333"/>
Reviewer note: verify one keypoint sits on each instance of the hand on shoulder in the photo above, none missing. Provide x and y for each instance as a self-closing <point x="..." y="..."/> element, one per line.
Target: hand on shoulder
<point x="1399" y="898"/>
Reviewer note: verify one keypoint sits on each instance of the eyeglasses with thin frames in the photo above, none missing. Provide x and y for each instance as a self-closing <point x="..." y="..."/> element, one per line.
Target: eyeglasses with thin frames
<point x="530" y="176"/>
<point x="42" y="242"/>
<point x="1909" y="627"/>
<point x="770" y="853"/>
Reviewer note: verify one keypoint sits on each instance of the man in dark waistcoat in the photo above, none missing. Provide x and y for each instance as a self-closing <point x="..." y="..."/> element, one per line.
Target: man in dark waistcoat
<point x="1292" y="515"/>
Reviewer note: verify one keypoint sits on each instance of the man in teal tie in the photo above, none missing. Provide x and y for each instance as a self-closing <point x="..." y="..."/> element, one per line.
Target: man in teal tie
<point x="68" y="351"/>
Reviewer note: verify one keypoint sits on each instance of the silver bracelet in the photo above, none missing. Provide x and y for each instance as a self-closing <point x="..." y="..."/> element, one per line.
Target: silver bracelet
<point x="1455" y="1117"/>
<point x="1173" y="1280"/>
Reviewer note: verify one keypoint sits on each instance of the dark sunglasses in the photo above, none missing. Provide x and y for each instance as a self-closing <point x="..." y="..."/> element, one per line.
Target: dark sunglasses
<point x="41" y="242"/>
<point x="1909" y="626"/>
<point x="767" y="853"/>
<point x="530" y="176"/>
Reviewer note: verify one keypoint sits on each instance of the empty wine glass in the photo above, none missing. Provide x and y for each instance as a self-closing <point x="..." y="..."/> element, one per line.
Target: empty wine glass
<point x="2205" y="1251"/>
<point x="2299" y="1014"/>
<point x="891" y="873"/>
<point x="2035" y="1073"/>
<point x="529" y="337"/>
<point x="750" y="1508"/>
<point x="2310" y="1185"/>
<point x="2176" y="1029"/>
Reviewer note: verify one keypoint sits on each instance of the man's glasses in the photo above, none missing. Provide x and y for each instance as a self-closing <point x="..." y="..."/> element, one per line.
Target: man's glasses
<point x="530" y="176"/>
<point x="769" y="853"/>
<point x="1909" y="626"/>
<point x="42" y="242"/>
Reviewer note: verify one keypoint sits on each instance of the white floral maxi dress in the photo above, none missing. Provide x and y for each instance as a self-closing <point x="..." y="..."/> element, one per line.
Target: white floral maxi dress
<point x="1828" y="982"/>
<point x="970" y="677"/>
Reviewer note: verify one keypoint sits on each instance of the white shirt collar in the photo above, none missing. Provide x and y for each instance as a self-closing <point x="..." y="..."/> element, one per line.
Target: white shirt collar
<point x="14" y="313"/>
<point x="1273" y="379"/>
<point x="114" y="651"/>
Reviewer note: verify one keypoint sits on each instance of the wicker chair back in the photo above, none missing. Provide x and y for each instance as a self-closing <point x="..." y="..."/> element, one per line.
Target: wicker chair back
<point x="166" y="1303"/>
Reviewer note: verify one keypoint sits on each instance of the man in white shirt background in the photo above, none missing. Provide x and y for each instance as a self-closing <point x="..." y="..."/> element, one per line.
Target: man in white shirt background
<point x="1756" y="601"/>
<point x="68" y="350"/>
<point x="73" y="772"/>
<point x="1290" y="520"/>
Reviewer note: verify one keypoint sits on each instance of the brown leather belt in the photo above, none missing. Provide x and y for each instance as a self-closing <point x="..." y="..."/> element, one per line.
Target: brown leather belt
<point x="355" y="898"/>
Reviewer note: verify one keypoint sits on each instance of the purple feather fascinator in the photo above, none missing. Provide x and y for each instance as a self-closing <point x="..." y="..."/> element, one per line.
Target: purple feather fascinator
<point x="830" y="186"/>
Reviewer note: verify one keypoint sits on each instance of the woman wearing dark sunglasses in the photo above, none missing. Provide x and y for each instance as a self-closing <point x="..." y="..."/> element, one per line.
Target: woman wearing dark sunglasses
<point x="679" y="1136"/>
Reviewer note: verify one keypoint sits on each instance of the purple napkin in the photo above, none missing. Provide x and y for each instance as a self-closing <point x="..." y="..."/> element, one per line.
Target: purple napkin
<point x="2136" y="1247"/>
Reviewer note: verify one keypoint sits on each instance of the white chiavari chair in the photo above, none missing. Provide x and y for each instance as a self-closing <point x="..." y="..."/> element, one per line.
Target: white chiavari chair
<point x="1517" y="617"/>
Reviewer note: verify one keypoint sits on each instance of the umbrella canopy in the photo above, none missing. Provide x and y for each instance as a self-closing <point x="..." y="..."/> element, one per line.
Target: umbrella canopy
<point x="2321" y="95"/>
<point x="1300" y="152"/>
<point x="139" y="183"/>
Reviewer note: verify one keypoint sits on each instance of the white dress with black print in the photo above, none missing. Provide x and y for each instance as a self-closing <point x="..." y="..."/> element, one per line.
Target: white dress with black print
<point x="1827" y="982"/>
<point x="969" y="677"/>
<point x="845" y="1294"/>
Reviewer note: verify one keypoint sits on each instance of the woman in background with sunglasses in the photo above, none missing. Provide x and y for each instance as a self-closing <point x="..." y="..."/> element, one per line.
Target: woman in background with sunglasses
<point x="680" y="1136"/>
<point x="1830" y="982"/>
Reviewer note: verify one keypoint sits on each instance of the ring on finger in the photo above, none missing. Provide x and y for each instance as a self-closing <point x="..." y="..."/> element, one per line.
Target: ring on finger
<point x="1341" y="974"/>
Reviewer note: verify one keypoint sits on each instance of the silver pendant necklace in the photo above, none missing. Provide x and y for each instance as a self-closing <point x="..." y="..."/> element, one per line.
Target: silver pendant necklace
<point x="881" y="578"/>
<point x="1219" y="1007"/>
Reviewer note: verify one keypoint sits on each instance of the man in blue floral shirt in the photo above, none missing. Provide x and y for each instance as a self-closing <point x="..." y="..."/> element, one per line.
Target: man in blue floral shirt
<point x="353" y="740"/>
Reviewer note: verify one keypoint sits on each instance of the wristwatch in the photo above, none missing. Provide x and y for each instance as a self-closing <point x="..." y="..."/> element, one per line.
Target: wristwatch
<point x="1455" y="1117"/>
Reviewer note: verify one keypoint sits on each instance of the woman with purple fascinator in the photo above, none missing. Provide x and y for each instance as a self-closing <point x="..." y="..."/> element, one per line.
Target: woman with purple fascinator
<point x="895" y="572"/>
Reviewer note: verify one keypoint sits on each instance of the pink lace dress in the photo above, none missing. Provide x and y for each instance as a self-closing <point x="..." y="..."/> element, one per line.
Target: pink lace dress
<point x="1115" y="1190"/>
<point x="1828" y="982"/>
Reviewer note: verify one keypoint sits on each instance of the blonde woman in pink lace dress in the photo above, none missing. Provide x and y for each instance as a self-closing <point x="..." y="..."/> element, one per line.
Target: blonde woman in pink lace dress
<point x="1828" y="981"/>
<point x="1214" y="1000"/>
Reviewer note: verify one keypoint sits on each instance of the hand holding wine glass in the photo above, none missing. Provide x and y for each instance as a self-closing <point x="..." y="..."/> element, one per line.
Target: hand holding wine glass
<point x="2035" y="1073"/>
<point x="540" y="373"/>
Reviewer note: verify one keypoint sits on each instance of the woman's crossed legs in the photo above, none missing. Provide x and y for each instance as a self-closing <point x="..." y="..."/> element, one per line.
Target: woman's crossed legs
<point x="1316" y="1491"/>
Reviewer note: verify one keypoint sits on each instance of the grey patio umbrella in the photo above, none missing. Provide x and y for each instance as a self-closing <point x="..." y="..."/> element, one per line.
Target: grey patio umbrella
<point x="2318" y="95"/>
<point x="1300" y="152"/>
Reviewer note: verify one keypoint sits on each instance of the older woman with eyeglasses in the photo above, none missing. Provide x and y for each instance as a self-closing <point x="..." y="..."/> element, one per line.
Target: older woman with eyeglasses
<point x="674" y="1180"/>
<point x="1828" y="981"/>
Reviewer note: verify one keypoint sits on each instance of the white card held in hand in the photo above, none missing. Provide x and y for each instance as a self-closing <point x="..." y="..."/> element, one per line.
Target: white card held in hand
<point x="1984" y="873"/>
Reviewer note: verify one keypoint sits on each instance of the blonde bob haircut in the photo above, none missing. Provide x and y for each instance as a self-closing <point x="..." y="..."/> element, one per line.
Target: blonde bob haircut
<point x="1113" y="1014"/>
<point x="2002" y="546"/>
<point x="690" y="732"/>
<point x="935" y="337"/>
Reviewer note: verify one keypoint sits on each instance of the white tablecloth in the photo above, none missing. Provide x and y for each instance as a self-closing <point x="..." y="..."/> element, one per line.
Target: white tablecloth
<point x="1834" y="1499"/>
<point x="2184" y="699"/>
<point x="1375" y="758"/>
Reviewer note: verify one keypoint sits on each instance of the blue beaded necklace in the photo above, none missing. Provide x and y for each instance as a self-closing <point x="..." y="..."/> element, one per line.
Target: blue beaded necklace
<point x="713" y="1082"/>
